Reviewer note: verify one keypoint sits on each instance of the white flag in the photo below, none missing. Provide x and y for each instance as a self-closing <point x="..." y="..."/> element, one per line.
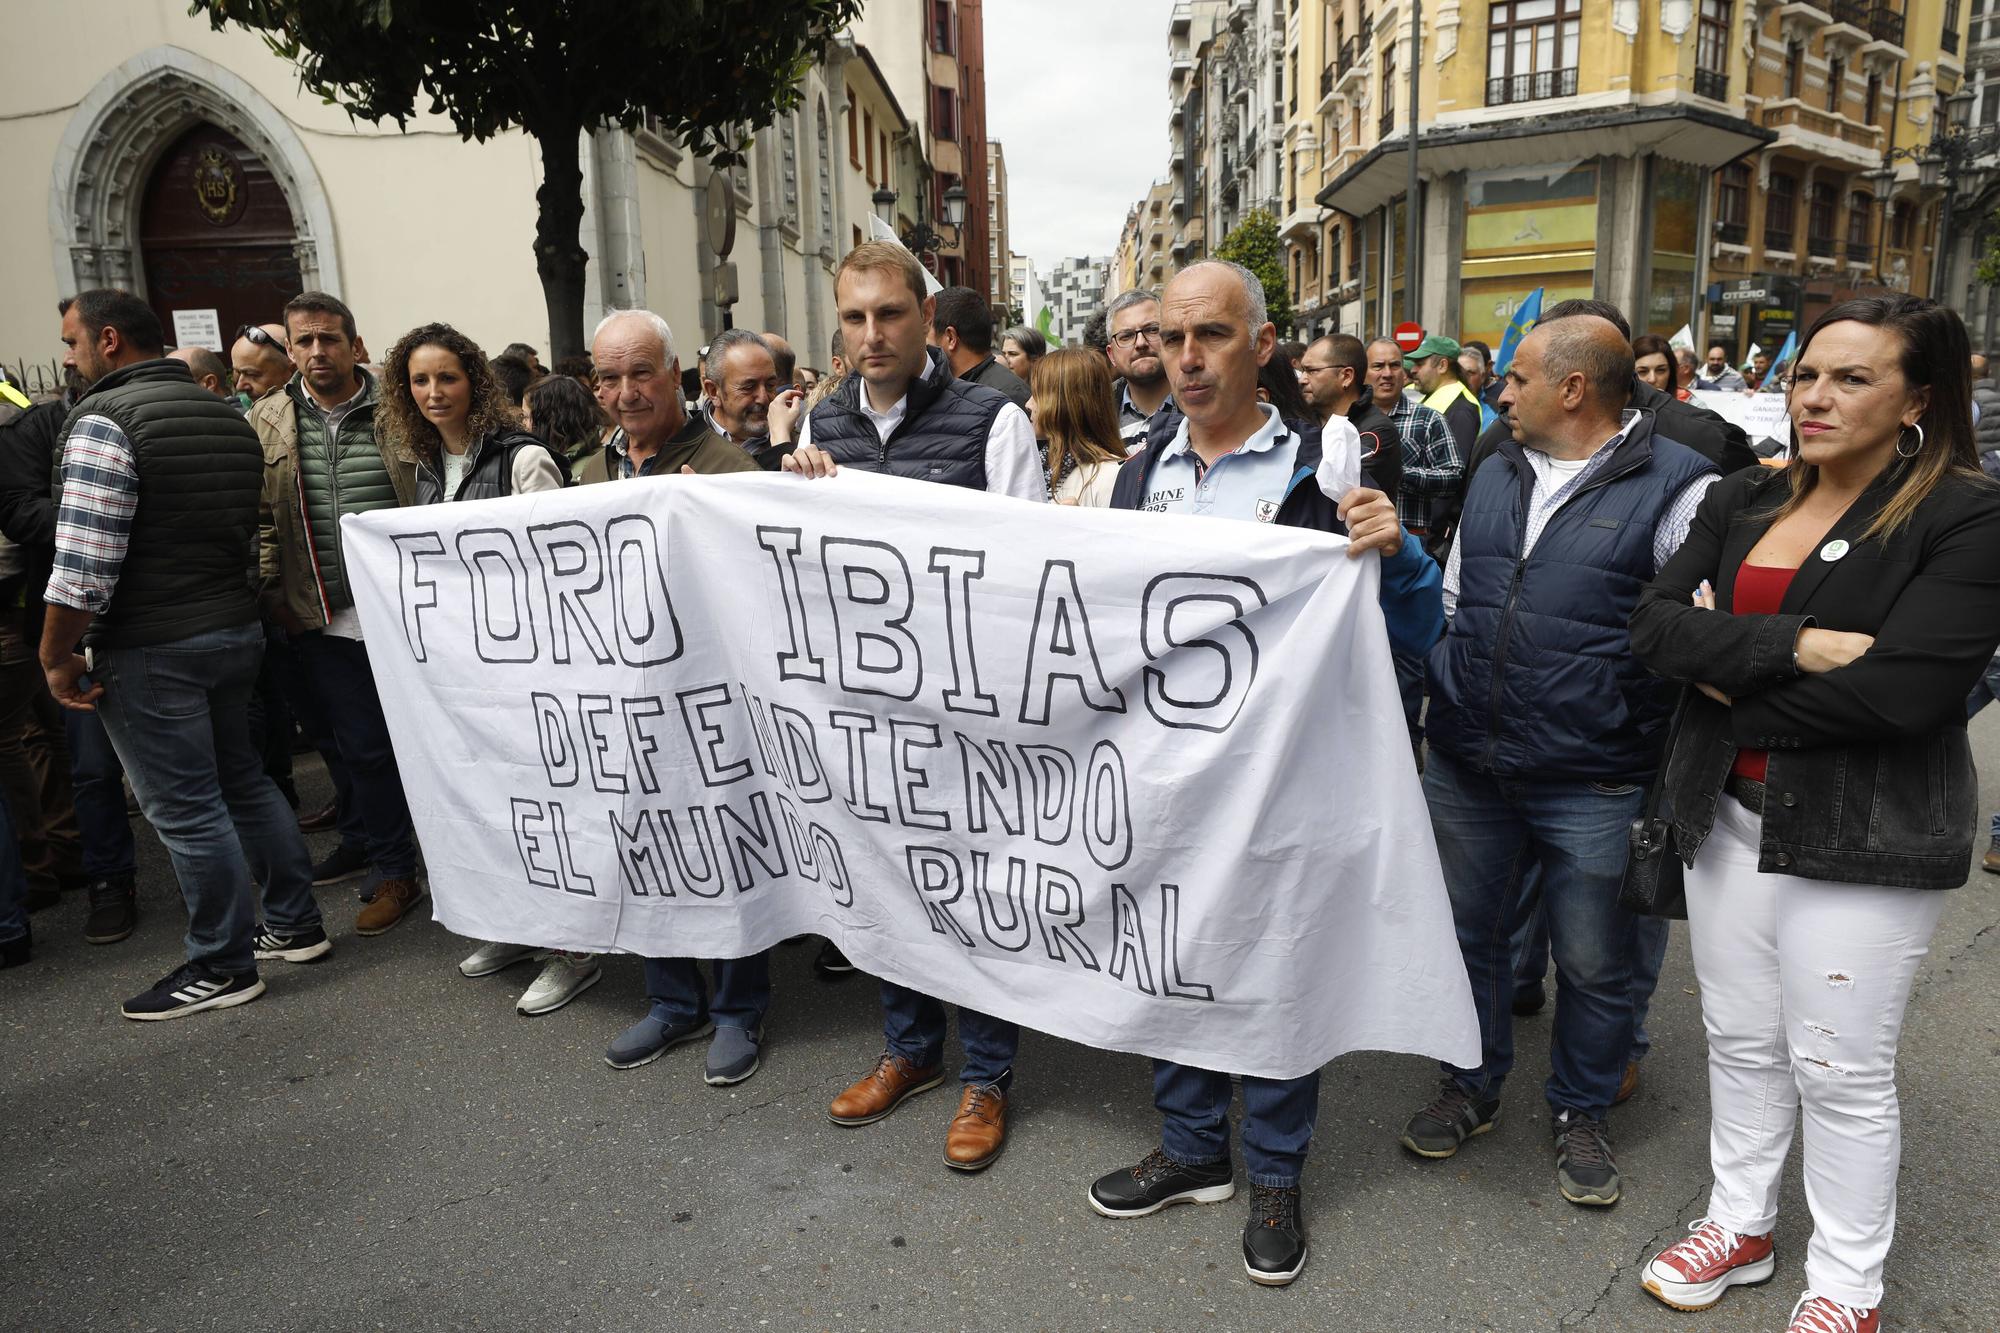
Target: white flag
<point x="878" y="230"/>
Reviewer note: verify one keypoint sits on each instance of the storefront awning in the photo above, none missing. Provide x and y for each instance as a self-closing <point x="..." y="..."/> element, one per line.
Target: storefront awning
<point x="1690" y="134"/>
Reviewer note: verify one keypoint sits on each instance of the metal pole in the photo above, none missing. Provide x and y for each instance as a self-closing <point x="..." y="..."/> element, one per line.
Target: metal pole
<point x="1942" y="269"/>
<point x="1413" y="262"/>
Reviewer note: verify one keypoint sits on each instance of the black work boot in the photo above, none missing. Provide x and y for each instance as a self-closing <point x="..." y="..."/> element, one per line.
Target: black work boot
<point x="114" y="910"/>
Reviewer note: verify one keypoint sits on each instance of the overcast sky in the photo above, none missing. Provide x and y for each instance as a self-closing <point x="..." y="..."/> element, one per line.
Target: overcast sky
<point x="1076" y="92"/>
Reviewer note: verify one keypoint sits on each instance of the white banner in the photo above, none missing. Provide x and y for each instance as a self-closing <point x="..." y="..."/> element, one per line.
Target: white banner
<point x="1138" y="780"/>
<point x="1763" y="416"/>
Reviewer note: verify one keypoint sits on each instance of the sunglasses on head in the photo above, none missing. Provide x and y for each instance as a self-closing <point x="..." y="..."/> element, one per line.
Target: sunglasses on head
<point x="257" y="335"/>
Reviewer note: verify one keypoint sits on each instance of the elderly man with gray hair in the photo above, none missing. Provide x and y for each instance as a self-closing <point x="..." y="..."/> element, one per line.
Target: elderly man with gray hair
<point x="739" y="382"/>
<point x="639" y="381"/>
<point x="1545" y="730"/>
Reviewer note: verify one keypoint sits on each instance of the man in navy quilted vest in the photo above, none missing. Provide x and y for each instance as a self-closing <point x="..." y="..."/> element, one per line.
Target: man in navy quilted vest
<point x="1544" y="730"/>
<point x="902" y="411"/>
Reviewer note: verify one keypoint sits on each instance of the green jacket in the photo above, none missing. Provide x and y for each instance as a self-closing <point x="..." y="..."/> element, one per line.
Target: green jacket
<point x="309" y="486"/>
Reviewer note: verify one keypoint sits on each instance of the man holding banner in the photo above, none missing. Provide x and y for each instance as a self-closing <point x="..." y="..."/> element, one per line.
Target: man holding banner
<point x="904" y="412"/>
<point x="1233" y="457"/>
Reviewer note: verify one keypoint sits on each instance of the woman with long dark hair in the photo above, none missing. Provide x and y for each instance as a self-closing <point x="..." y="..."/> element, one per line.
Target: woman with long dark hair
<point x="1077" y="424"/>
<point x="442" y="402"/>
<point x="1829" y="620"/>
<point x="564" y="415"/>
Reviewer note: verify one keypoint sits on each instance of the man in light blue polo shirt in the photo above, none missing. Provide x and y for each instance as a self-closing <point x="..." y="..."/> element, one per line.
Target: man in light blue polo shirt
<point x="1231" y="457"/>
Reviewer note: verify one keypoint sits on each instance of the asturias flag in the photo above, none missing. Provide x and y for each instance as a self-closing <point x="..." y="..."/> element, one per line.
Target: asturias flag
<point x="1524" y="319"/>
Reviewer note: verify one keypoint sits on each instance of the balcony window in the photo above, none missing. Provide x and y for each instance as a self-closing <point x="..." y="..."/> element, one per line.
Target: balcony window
<point x="1949" y="39"/>
<point x="1711" y="52"/>
<point x="1825" y="202"/>
<point x="941" y="28"/>
<point x="1836" y="84"/>
<point x="1781" y="212"/>
<point x="1732" y="205"/>
<point x="1858" y="249"/>
<point x="944" y="113"/>
<point x="1899" y="225"/>
<point x="1531" y="50"/>
<point x="1872" y="102"/>
<point x="1795" y="68"/>
<point x="1388" y="87"/>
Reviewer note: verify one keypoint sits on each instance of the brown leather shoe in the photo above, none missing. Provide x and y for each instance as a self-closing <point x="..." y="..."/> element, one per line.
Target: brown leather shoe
<point x="893" y="1081"/>
<point x="320" y="820"/>
<point x="1629" y="1084"/>
<point x="393" y="898"/>
<point x="979" y="1131"/>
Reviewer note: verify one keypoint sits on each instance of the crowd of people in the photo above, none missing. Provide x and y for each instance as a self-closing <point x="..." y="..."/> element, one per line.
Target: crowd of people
<point x="1606" y="616"/>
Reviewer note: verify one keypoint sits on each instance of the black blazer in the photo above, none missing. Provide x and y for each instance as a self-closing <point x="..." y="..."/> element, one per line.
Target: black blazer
<point x="1871" y="778"/>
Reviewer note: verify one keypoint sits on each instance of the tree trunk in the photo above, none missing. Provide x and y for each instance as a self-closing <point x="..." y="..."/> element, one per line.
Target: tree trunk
<point x="559" y="257"/>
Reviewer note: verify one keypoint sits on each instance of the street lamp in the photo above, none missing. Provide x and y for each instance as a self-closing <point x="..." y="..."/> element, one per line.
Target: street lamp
<point x="1940" y="164"/>
<point x="884" y="200"/>
<point x="921" y="237"/>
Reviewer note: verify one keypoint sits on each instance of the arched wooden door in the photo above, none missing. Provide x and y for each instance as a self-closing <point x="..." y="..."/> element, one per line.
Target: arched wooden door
<point x="216" y="237"/>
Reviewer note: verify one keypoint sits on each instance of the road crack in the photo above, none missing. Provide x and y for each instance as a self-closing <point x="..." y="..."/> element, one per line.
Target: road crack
<point x="1578" y="1318"/>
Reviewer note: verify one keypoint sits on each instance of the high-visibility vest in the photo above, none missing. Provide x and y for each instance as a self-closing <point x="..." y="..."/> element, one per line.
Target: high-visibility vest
<point x="1441" y="399"/>
<point x="15" y="396"/>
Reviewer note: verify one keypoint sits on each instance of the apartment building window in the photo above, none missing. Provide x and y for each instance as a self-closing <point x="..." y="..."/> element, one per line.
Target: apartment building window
<point x="1711" y="52"/>
<point x="1858" y="249"/>
<point x="1949" y="39"/>
<point x="1388" y="88"/>
<point x="1732" y="205"/>
<point x="941" y="28"/>
<point x="1836" y="84"/>
<point x="853" y="132"/>
<point x="1781" y="212"/>
<point x="1531" y="50"/>
<point x="1873" y="102"/>
<point x="1825" y="202"/>
<point x="882" y="138"/>
<point x="944" y="113"/>
<point x="1795" y="68"/>
<point x="868" y="139"/>
<point x="1899" y="225"/>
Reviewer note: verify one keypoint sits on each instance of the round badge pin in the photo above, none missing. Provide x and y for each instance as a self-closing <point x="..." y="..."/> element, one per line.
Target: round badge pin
<point x="1833" y="550"/>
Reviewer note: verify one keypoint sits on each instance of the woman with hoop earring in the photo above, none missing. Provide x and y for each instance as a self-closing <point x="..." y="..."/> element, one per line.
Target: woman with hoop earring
<point x="1829" y="620"/>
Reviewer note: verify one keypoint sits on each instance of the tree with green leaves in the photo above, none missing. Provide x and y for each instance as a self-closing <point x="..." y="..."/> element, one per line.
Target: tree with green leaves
<point x="706" y="71"/>
<point x="1253" y="243"/>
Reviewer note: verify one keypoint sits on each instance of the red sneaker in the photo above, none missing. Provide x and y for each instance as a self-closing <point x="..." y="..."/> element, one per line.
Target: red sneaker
<point x="1693" y="1273"/>
<point x="1817" y="1314"/>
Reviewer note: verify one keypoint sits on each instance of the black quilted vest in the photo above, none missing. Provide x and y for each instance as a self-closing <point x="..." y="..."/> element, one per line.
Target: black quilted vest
<point x="942" y="436"/>
<point x="191" y="555"/>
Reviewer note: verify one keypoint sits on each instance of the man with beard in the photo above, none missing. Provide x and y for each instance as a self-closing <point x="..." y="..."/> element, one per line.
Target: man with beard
<point x="739" y="378"/>
<point x="1133" y="325"/>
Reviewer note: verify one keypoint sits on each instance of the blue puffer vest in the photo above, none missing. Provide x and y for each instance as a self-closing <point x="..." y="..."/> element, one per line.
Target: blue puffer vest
<point x="942" y="436"/>
<point x="1536" y="677"/>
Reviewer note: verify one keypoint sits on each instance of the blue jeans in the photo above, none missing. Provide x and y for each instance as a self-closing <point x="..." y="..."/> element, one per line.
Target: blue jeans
<point x="97" y="785"/>
<point x="1490" y="832"/>
<point x="344" y="689"/>
<point x="179" y="716"/>
<point x="13" y="880"/>
<point x="1278" y="1117"/>
<point x="742" y="991"/>
<point x="1984" y="693"/>
<point x="913" y="1026"/>
<point x="1529" y="945"/>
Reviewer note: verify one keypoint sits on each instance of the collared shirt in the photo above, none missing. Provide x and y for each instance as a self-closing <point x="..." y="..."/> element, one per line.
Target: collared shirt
<point x="1132" y="422"/>
<point x="1432" y="467"/>
<point x="1558" y="479"/>
<point x="94" y="523"/>
<point x="753" y="446"/>
<point x="1249" y="482"/>
<point x="336" y="414"/>
<point x="1014" y="465"/>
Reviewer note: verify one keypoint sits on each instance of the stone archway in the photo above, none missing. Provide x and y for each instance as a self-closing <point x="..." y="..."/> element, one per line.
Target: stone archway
<point x="117" y="135"/>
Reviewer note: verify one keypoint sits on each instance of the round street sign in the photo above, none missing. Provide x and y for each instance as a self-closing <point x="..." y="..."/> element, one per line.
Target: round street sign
<point x="1409" y="337"/>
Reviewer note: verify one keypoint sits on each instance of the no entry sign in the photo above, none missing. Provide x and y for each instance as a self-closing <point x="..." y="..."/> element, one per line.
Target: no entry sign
<point x="1409" y="336"/>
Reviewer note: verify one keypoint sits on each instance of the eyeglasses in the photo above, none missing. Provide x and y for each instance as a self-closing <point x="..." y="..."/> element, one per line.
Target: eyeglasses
<point x="1150" y="333"/>
<point x="257" y="335"/>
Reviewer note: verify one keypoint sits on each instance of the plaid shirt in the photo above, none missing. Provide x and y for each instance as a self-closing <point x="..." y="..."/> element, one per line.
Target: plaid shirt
<point x="1432" y="469"/>
<point x="100" y="493"/>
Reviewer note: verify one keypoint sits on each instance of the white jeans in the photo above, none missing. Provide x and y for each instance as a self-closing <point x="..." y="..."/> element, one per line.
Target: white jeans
<point x="1803" y="987"/>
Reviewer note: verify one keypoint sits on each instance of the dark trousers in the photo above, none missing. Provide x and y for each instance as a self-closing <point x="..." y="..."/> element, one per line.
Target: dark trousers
<point x="1278" y="1118"/>
<point x="742" y="991"/>
<point x="97" y="783"/>
<point x="344" y="690"/>
<point x="914" y="1025"/>
<point x="34" y="775"/>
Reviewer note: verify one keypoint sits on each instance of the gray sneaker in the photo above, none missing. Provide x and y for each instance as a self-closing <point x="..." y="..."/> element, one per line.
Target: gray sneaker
<point x="1586" y="1172"/>
<point x="733" y="1056"/>
<point x="1451" y="1118"/>
<point x="650" y="1038"/>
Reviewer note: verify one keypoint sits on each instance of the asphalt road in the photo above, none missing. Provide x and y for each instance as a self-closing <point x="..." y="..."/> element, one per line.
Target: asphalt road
<point x="380" y="1143"/>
